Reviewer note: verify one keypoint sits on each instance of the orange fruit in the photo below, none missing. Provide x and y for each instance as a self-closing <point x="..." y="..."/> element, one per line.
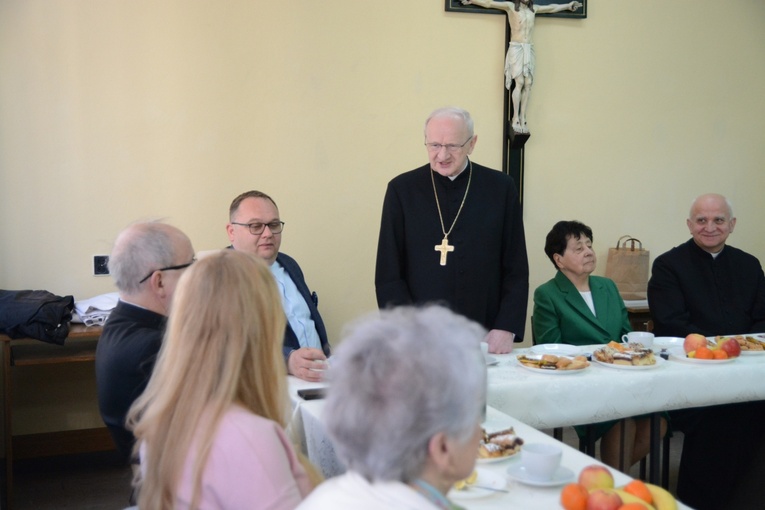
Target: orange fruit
<point x="704" y="353"/>
<point x="720" y="354"/>
<point x="632" y="506"/>
<point x="638" y="488"/>
<point x="574" y="497"/>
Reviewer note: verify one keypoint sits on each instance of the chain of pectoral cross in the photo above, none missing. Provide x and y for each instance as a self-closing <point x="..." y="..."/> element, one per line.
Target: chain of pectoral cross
<point x="445" y="247"/>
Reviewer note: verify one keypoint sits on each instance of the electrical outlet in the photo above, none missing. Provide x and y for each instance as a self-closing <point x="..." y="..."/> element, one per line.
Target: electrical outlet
<point x="100" y="265"/>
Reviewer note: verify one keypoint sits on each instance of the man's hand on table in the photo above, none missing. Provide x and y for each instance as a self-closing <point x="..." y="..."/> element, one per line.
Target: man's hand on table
<point x="500" y="341"/>
<point x="302" y="360"/>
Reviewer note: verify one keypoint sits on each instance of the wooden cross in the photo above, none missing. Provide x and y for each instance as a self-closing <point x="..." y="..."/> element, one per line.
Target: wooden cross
<point x="444" y="248"/>
<point x="513" y="146"/>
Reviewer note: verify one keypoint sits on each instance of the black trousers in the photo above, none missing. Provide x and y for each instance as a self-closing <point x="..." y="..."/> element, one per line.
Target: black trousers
<point x="718" y="449"/>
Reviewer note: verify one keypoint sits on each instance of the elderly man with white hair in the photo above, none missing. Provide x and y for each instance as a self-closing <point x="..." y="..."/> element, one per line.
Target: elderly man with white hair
<point x="708" y="287"/>
<point x="146" y="263"/>
<point x="405" y="431"/>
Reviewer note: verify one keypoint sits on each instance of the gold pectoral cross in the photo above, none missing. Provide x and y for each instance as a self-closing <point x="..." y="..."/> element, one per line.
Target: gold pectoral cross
<point x="444" y="248"/>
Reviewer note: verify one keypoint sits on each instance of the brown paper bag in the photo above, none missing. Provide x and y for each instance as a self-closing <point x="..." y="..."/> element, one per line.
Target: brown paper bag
<point x="628" y="268"/>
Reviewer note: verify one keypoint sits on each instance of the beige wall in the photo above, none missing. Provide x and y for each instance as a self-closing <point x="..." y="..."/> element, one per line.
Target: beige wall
<point x="115" y="111"/>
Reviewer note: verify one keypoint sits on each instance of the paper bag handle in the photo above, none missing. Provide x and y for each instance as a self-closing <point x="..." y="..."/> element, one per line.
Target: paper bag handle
<point x="631" y="240"/>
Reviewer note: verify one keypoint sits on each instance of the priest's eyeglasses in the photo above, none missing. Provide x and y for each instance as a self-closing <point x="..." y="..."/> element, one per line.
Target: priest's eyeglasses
<point x="169" y="268"/>
<point x="450" y="147"/>
<point x="256" y="229"/>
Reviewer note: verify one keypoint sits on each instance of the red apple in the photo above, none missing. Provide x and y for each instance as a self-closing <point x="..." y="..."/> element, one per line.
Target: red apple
<point x="596" y="476"/>
<point x="693" y="342"/>
<point x="603" y="500"/>
<point x="731" y="347"/>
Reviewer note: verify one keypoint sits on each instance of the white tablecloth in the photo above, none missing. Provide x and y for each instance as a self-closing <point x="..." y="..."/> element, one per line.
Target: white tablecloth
<point x="307" y="429"/>
<point x="546" y="400"/>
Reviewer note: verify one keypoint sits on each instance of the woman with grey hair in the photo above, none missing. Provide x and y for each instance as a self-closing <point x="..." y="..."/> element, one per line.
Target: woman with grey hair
<point x="406" y="398"/>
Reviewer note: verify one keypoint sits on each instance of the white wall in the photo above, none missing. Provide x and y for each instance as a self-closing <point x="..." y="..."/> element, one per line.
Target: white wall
<point x="115" y="111"/>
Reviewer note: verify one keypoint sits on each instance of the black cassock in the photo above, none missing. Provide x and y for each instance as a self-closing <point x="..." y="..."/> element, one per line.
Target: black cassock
<point x="486" y="277"/>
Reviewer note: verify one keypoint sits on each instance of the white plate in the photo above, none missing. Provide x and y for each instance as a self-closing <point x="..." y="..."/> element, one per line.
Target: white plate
<point x="659" y="362"/>
<point x="485" y="478"/>
<point x="667" y="342"/>
<point x="547" y="371"/>
<point x="492" y="460"/>
<point x="557" y="349"/>
<point x="679" y="355"/>
<point x="497" y="424"/>
<point x="756" y="336"/>
<point x="562" y="475"/>
<point x="491" y="361"/>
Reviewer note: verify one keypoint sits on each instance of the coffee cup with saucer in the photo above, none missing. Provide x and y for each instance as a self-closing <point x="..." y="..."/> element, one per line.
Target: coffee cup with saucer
<point x="638" y="337"/>
<point x="540" y="466"/>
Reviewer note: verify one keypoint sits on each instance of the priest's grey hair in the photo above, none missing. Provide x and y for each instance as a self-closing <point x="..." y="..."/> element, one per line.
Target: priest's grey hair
<point x="452" y="111"/>
<point x="399" y="378"/>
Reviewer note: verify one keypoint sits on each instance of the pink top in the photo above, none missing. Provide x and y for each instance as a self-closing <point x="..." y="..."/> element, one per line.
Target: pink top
<point x="251" y="466"/>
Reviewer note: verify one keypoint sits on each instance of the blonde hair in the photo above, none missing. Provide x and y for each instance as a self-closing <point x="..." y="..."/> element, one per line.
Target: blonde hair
<point x="222" y="346"/>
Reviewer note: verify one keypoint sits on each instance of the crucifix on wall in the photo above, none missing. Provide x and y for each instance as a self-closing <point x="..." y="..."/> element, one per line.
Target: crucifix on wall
<point x="519" y="67"/>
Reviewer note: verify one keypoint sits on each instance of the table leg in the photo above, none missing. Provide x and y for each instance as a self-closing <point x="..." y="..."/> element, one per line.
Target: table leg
<point x="665" y="462"/>
<point x="7" y="430"/>
<point x="622" y="440"/>
<point x="654" y="464"/>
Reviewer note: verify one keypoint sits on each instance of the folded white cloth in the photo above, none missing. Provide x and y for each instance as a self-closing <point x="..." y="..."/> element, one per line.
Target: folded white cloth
<point x="96" y="310"/>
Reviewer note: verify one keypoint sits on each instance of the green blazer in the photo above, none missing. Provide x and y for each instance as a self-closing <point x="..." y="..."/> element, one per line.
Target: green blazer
<point x="562" y="316"/>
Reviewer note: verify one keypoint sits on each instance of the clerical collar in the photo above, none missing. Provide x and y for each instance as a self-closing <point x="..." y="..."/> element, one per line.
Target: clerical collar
<point x="713" y="255"/>
<point x="453" y="177"/>
<point x="462" y="173"/>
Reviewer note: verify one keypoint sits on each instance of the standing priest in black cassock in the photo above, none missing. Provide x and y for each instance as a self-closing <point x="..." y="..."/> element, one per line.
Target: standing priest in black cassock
<point x="452" y="233"/>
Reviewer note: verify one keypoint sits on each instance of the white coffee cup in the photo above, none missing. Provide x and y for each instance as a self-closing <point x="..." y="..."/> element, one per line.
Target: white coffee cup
<point x="639" y="337"/>
<point x="541" y="460"/>
<point x="485" y="349"/>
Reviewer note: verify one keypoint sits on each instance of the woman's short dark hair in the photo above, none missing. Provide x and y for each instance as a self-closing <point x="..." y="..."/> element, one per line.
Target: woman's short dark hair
<point x="557" y="238"/>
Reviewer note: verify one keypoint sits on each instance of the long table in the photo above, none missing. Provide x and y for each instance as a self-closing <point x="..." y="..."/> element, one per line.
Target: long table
<point x="600" y="393"/>
<point x="547" y="399"/>
<point x="308" y="430"/>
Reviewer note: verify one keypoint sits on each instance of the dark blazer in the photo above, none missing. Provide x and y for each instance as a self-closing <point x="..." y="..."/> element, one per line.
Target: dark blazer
<point x="562" y="316"/>
<point x="291" y="343"/>
<point x="312" y="300"/>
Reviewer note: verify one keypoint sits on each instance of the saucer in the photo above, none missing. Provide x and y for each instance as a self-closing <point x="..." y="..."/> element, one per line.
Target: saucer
<point x="486" y="478"/>
<point x="561" y="476"/>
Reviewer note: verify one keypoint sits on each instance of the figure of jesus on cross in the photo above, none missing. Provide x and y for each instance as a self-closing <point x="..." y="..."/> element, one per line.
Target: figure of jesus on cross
<point x="520" y="61"/>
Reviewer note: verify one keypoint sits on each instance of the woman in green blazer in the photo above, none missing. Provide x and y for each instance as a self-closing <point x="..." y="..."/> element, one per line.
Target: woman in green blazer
<point x="578" y="308"/>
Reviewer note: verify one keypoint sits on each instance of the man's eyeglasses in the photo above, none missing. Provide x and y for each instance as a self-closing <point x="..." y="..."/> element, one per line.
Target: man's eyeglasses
<point x="256" y="229"/>
<point x="169" y="268"/>
<point x="450" y="147"/>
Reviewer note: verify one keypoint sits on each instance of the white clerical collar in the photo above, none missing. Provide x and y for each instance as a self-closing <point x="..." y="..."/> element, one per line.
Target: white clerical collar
<point x="452" y="177"/>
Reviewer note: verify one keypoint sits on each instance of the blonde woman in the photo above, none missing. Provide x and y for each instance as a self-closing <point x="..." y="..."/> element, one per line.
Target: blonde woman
<point x="210" y="425"/>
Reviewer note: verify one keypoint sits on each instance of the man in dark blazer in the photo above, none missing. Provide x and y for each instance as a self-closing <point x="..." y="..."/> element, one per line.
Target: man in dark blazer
<point x="254" y="227"/>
